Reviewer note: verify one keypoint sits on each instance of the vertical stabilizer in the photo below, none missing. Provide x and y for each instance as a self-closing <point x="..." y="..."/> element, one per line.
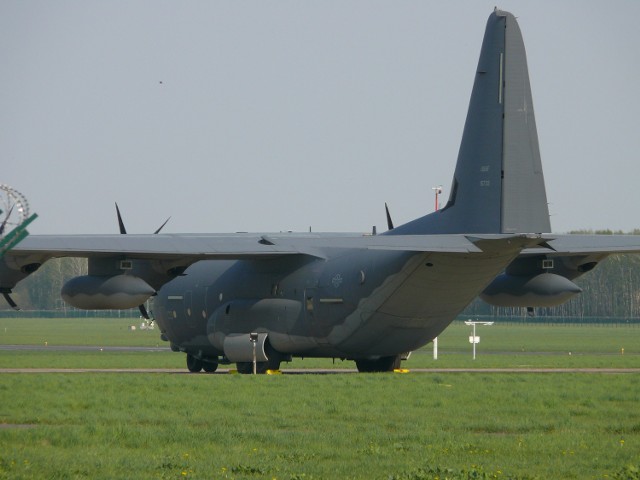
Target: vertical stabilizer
<point x="498" y="185"/>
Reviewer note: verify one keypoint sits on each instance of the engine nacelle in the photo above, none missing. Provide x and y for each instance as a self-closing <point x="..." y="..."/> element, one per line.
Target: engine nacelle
<point x="542" y="290"/>
<point x="92" y="292"/>
<point x="239" y="347"/>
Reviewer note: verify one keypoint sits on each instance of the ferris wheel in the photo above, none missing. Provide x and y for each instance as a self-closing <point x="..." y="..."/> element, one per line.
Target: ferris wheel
<point x="14" y="209"/>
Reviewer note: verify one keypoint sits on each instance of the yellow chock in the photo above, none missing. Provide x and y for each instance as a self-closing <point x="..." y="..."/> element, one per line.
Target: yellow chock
<point x="274" y="372"/>
<point x="400" y="370"/>
<point x="233" y="371"/>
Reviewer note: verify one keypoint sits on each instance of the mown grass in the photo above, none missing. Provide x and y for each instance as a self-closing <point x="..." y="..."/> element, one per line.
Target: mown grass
<point x="318" y="426"/>
<point x="76" y="331"/>
<point x="91" y="359"/>
<point x="414" y="426"/>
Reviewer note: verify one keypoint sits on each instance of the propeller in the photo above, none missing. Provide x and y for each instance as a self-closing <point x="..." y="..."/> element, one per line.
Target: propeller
<point x="5" y="294"/>
<point x="9" y="300"/>
<point x="389" y="221"/>
<point x="161" y="226"/>
<point x="123" y="231"/>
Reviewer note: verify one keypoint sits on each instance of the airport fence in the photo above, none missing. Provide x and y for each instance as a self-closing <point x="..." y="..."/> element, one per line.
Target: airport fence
<point x="554" y="320"/>
<point x="508" y="320"/>
<point x="69" y="313"/>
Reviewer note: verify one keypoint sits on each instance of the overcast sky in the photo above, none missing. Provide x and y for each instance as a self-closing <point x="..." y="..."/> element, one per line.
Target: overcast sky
<point x="270" y="116"/>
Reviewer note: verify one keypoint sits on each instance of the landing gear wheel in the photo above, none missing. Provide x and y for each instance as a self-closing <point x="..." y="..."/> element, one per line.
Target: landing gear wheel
<point x="246" y="368"/>
<point x="209" y="367"/>
<point x="193" y="364"/>
<point x="382" y="364"/>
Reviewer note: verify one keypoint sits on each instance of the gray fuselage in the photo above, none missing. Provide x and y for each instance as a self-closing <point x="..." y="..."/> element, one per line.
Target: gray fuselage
<point x="317" y="307"/>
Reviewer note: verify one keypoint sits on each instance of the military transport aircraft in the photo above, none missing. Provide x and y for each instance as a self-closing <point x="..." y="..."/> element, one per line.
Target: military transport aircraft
<point x="368" y="298"/>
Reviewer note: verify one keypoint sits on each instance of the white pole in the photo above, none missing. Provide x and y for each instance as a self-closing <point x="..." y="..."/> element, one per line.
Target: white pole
<point x="474" y="341"/>
<point x="253" y="337"/>
<point x="254" y="356"/>
<point x="435" y="348"/>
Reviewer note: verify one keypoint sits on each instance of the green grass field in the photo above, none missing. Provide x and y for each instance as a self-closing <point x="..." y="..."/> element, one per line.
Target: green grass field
<point x="506" y="346"/>
<point x="381" y="426"/>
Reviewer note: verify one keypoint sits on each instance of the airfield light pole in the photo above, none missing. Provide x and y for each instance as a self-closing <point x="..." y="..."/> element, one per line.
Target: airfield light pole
<point x="253" y="338"/>
<point x="438" y="191"/>
<point x="475" y="339"/>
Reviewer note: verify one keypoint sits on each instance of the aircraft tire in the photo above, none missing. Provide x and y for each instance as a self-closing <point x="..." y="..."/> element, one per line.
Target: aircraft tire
<point x="261" y="367"/>
<point x="382" y="364"/>
<point x="194" y="365"/>
<point x="209" y="367"/>
<point x="246" y="368"/>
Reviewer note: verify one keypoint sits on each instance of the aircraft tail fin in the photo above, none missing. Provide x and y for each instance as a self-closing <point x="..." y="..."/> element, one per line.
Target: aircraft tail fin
<point x="498" y="185"/>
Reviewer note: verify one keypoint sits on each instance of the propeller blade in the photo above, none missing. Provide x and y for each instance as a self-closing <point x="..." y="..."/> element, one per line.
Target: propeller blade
<point x="161" y="226"/>
<point x="389" y="221"/>
<point x="10" y="301"/>
<point x="6" y="219"/>
<point x="143" y="311"/>
<point x="123" y="230"/>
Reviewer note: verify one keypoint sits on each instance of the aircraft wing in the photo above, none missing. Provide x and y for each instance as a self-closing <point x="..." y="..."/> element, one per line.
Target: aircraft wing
<point x="590" y="244"/>
<point x="173" y="253"/>
<point x="592" y="247"/>
<point x="240" y="246"/>
<point x="185" y="249"/>
<point x="227" y="246"/>
<point x="160" y="257"/>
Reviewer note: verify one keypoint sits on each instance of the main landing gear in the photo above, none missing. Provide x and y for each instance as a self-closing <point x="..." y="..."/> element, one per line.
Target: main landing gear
<point x="195" y="364"/>
<point x="382" y="364"/>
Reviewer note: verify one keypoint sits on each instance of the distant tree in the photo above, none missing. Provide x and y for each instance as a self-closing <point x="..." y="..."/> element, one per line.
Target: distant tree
<point x="41" y="290"/>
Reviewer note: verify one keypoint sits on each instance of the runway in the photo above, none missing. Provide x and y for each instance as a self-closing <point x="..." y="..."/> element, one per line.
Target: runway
<point x="163" y="348"/>
<point x="82" y="348"/>
<point x="325" y="371"/>
<point x="284" y="371"/>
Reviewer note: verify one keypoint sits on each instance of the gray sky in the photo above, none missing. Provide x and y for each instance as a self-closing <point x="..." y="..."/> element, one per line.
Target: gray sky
<point x="269" y="116"/>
